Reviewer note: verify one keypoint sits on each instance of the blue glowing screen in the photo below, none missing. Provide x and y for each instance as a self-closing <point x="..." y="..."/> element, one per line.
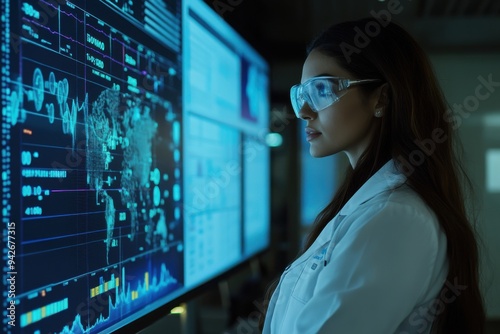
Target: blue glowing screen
<point x="134" y="167"/>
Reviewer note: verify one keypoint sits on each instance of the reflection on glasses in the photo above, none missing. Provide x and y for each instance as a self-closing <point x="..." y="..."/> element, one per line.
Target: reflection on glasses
<point x="321" y="92"/>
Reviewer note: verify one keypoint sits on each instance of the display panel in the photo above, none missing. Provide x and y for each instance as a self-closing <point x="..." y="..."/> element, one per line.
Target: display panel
<point x="92" y="161"/>
<point x="128" y="159"/>
<point x="213" y="199"/>
<point x="256" y="197"/>
<point x="226" y="108"/>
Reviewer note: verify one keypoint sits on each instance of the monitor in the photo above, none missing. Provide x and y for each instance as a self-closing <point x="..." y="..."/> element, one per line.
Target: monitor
<point x="132" y="176"/>
<point x="226" y="113"/>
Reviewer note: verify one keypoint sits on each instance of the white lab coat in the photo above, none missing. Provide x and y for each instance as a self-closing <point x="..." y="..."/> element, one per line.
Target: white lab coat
<point x="376" y="268"/>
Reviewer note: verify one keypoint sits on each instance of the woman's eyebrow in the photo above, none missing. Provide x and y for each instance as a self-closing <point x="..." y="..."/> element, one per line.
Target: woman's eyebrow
<point x="325" y="75"/>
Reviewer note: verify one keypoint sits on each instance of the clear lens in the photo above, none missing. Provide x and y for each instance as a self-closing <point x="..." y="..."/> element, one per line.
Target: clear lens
<point x="296" y="99"/>
<point x="321" y="92"/>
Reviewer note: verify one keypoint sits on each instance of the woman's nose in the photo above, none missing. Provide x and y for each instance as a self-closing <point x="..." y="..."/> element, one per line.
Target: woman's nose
<point x="306" y="113"/>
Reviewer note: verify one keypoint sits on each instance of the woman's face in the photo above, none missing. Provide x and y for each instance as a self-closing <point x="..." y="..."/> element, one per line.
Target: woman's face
<point x="346" y="125"/>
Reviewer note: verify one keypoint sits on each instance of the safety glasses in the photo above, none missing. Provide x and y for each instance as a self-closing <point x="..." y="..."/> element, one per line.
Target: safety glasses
<point x="321" y="92"/>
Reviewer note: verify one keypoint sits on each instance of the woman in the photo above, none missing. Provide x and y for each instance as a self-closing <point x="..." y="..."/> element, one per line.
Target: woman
<point x="394" y="251"/>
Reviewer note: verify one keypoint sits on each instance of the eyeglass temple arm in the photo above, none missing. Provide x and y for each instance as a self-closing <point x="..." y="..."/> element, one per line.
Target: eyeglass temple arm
<point x="348" y="82"/>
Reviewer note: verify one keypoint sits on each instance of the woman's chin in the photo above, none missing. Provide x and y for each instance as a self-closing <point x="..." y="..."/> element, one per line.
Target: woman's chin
<point x="317" y="153"/>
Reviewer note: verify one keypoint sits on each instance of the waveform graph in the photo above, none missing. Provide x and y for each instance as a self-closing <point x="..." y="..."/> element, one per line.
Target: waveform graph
<point x="60" y="90"/>
<point x="88" y="304"/>
<point x="52" y="95"/>
<point x="124" y="295"/>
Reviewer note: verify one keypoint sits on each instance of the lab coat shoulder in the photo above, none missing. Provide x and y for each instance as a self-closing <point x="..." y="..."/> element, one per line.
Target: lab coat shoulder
<point x="385" y="256"/>
<point x="391" y="210"/>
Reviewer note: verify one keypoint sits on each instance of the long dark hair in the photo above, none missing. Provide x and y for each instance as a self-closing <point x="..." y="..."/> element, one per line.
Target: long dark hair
<point x="417" y="133"/>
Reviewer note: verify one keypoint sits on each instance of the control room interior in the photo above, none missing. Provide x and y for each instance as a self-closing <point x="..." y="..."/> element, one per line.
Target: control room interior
<point x="138" y="205"/>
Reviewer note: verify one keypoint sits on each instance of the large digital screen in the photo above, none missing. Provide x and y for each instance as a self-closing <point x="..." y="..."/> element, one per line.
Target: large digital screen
<point x="226" y="113"/>
<point x="134" y="168"/>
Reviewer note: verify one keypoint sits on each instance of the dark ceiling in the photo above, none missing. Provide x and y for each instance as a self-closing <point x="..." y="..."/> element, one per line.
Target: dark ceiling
<point x="280" y="29"/>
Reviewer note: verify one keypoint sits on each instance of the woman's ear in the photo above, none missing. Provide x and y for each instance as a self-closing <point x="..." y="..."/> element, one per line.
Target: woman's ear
<point x="381" y="96"/>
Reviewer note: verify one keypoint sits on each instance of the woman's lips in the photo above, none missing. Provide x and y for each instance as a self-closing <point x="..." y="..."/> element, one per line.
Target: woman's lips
<point x="312" y="134"/>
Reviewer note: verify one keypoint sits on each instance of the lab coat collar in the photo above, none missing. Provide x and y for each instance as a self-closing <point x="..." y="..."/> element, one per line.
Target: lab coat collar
<point x="386" y="178"/>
